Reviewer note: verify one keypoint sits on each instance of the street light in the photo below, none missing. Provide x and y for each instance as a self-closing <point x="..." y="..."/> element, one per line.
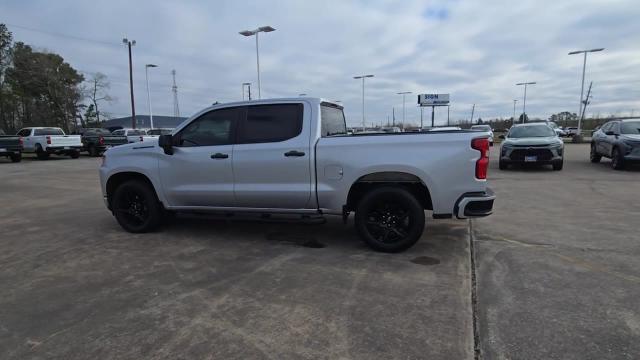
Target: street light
<point x="363" y="77"/>
<point x="524" y="103"/>
<point x="248" y="85"/>
<point x="255" y="32"/>
<point x="513" y="119"/>
<point x="146" y="74"/>
<point x="584" y="65"/>
<point x="404" y="93"/>
<point x="133" y="106"/>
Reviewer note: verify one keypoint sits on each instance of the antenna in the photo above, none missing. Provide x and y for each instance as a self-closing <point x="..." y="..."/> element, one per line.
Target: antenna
<point x="174" y="89"/>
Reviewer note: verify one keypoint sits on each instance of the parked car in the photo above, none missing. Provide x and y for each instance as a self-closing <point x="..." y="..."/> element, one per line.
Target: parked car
<point x="11" y="146"/>
<point x="294" y="156"/>
<point x="96" y="140"/>
<point x="531" y="143"/>
<point x="157" y="132"/>
<point x="485" y="128"/>
<point x="571" y="131"/>
<point x="559" y="131"/>
<point x="45" y="141"/>
<point x="133" y="135"/>
<point x="618" y="140"/>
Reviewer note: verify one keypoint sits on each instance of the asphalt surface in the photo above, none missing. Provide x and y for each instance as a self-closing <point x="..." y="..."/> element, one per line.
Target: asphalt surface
<point x="558" y="263"/>
<point x="76" y="286"/>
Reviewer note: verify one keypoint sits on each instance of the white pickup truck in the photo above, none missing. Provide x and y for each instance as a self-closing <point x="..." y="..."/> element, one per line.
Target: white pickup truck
<point x="133" y="135"/>
<point x="45" y="141"/>
<point x="295" y="157"/>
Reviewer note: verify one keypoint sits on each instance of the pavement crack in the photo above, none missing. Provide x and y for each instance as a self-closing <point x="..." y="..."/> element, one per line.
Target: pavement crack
<point x="474" y="295"/>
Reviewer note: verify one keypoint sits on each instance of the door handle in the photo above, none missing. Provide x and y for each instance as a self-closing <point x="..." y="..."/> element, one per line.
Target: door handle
<point x="294" y="153"/>
<point x="219" y="156"/>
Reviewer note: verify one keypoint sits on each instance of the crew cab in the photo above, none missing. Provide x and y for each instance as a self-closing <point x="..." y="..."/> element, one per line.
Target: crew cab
<point x="133" y="135"/>
<point x="618" y="140"/>
<point x="45" y="141"/>
<point x="96" y="140"/>
<point x="11" y="146"/>
<point x="294" y="157"/>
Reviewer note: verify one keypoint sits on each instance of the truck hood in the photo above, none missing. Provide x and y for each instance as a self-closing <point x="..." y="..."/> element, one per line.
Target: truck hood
<point x="551" y="140"/>
<point x="147" y="144"/>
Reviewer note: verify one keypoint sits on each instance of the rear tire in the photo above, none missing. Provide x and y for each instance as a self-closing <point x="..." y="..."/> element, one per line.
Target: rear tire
<point x="75" y="154"/>
<point x="502" y="165"/>
<point x="136" y="207"/>
<point x="16" y="158"/>
<point x="617" y="161"/>
<point x="389" y="219"/>
<point x="93" y="151"/>
<point x="593" y="155"/>
<point x="41" y="154"/>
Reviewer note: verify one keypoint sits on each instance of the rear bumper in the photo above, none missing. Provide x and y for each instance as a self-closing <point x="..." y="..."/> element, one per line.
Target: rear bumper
<point x="62" y="149"/>
<point x="10" y="152"/>
<point x="475" y="204"/>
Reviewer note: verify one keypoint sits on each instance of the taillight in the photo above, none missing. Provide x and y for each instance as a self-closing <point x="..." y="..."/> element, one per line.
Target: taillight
<point x="101" y="140"/>
<point x="48" y="140"/>
<point x="482" y="145"/>
<point x="21" y="141"/>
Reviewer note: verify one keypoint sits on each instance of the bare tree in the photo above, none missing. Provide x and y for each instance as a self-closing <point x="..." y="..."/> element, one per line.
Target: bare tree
<point x="97" y="91"/>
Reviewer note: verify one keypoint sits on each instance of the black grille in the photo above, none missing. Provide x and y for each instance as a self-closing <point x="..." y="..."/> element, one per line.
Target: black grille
<point x="542" y="154"/>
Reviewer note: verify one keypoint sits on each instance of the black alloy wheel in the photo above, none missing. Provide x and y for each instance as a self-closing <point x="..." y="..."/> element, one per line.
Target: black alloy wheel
<point x="136" y="207"/>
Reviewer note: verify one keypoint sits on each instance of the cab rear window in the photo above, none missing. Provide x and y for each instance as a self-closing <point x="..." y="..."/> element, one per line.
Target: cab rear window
<point x="333" y="122"/>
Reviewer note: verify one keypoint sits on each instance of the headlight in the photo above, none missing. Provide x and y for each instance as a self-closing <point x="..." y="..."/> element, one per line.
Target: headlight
<point x="557" y="145"/>
<point x="631" y="143"/>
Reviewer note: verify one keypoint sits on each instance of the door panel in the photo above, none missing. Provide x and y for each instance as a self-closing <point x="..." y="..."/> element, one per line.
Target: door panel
<point x="200" y="172"/>
<point x="274" y="170"/>
<point x="191" y="177"/>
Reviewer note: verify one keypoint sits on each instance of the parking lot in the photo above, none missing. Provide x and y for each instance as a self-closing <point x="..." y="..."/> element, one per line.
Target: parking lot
<point x="556" y="270"/>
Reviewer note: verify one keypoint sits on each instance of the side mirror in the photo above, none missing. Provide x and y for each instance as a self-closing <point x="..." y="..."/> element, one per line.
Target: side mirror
<point x="166" y="143"/>
<point x="501" y="137"/>
<point x="609" y="133"/>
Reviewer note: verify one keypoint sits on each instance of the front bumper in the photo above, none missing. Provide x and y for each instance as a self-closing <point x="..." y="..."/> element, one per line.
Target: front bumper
<point x="531" y="154"/>
<point x="475" y="204"/>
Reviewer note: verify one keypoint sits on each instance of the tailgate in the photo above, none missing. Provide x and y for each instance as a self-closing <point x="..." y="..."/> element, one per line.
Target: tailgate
<point x="10" y="143"/>
<point x="65" y="140"/>
<point x="115" y="140"/>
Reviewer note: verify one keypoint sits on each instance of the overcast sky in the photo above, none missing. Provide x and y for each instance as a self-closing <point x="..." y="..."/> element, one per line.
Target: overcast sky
<point x="474" y="50"/>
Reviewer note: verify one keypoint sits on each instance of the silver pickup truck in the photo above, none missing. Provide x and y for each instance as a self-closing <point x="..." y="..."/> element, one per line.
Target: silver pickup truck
<point x="295" y="157"/>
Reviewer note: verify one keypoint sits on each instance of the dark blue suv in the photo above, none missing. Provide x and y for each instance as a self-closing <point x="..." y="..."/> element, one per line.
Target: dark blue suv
<point x="618" y="140"/>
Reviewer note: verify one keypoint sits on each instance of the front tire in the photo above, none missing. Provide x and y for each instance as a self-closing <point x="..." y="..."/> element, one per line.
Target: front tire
<point x="136" y="207"/>
<point x="593" y="155"/>
<point x="617" y="161"/>
<point x="557" y="166"/>
<point x="389" y="219"/>
<point x="93" y="151"/>
<point x="41" y="154"/>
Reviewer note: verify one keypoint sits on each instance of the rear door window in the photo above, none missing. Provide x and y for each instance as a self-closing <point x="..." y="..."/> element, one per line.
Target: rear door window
<point x="271" y="123"/>
<point x="24" y="132"/>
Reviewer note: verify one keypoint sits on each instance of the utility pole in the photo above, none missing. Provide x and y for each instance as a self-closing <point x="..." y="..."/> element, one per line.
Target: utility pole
<point x="174" y="89"/>
<point x="448" y="106"/>
<point x="133" y="106"/>
<point x="404" y="93"/>
<point x="421" y="115"/>
<point x="393" y="112"/>
<point x="513" y="119"/>
<point x="433" y="116"/>
<point x="248" y="85"/>
<point x="584" y="65"/>
<point x="524" y="101"/>
<point x="473" y="109"/>
<point x="584" y="107"/>
<point x="363" y="77"/>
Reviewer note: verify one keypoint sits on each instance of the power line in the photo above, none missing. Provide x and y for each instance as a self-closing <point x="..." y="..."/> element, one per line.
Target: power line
<point x="73" y="37"/>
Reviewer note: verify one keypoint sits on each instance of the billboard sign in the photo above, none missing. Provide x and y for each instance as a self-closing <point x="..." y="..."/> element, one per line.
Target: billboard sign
<point x="433" y="99"/>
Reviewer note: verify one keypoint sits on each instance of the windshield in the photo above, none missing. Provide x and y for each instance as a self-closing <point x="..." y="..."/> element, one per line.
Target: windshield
<point x="630" y="127"/>
<point x="48" y="131"/>
<point x="531" y="131"/>
<point x="333" y="122"/>
<point x="159" y="132"/>
<point x="552" y="125"/>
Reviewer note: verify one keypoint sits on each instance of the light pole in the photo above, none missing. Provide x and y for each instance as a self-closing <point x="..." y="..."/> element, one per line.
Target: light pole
<point x="248" y="85"/>
<point x="363" y="77"/>
<point x="404" y="93"/>
<point x="146" y="75"/>
<point x="133" y="106"/>
<point x="584" y="65"/>
<point x="255" y="32"/>
<point x="524" y="102"/>
<point x="303" y="94"/>
<point x="513" y="119"/>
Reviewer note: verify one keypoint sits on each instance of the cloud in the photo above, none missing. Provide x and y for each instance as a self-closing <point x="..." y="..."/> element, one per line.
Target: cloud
<point x="476" y="51"/>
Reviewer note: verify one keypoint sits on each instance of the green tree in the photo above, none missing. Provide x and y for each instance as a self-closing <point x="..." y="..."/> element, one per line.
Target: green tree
<point x="6" y="38"/>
